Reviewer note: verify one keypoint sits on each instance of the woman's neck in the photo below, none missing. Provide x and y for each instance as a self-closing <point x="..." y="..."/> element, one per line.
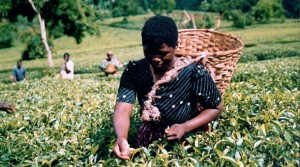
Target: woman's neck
<point x="159" y="74"/>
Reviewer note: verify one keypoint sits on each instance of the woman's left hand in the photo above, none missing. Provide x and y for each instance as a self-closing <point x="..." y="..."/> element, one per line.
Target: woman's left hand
<point x="176" y="131"/>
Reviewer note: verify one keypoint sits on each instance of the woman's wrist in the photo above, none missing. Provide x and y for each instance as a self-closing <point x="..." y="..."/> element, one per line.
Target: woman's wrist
<point x="187" y="126"/>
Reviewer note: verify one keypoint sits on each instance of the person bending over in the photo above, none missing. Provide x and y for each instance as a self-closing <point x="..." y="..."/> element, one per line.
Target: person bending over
<point x="175" y="94"/>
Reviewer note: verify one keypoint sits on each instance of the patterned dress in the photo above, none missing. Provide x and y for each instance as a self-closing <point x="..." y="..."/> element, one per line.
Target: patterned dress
<point x="178" y="98"/>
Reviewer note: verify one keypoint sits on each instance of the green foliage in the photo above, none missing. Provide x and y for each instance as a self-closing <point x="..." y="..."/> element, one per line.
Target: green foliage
<point x="127" y="8"/>
<point x="249" y="19"/>
<point x="277" y="51"/>
<point x="204" y="6"/>
<point x="5" y="6"/>
<point x="69" y="123"/>
<point x="72" y="18"/>
<point x="206" y="22"/>
<point x="163" y="6"/>
<point x="71" y="126"/>
<point x="264" y="10"/>
<point x="270" y="51"/>
<point x="292" y="8"/>
<point x="69" y="17"/>
<point x="35" y="48"/>
<point x="238" y="18"/>
<point x="224" y="6"/>
<point x="187" y="5"/>
<point x="7" y="35"/>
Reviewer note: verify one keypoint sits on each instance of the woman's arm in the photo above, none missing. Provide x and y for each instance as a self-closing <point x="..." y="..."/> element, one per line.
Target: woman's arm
<point x="66" y="68"/>
<point x="206" y="116"/>
<point x="121" y="121"/>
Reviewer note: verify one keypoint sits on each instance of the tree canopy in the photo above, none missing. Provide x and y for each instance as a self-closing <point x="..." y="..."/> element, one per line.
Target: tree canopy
<point x="76" y="18"/>
<point x="73" y="18"/>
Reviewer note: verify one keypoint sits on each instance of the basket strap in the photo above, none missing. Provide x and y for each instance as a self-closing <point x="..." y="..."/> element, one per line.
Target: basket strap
<point x="217" y="25"/>
<point x="152" y="113"/>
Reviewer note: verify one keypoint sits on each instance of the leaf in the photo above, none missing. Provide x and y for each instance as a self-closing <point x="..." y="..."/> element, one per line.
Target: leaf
<point x="237" y="155"/>
<point x="257" y="143"/>
<point x="94" y="149"/>
<point x="248" y="141"/>
<point x="277" y="127"/>
<point x="240" y="164"/>
<point x="229" y="159"/>
<point x="204" y="157"/>
<point x="220" y="153"/>
<point x="239" y="142"/>
<point x="226" y="151"/>
<point x="263" y="129"/>
<point x="288" y="136"/>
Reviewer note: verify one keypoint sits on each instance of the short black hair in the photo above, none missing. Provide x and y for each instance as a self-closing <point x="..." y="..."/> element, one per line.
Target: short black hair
<point x="66" y="55"/>
<point x="159" y="30"/>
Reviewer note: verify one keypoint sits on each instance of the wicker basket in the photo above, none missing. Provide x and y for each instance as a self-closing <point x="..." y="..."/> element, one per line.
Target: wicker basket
<point x="223" y="52"/>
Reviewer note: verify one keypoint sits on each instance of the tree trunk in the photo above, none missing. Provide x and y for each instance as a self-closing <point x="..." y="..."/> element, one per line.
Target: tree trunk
<point x="43" y="35"/>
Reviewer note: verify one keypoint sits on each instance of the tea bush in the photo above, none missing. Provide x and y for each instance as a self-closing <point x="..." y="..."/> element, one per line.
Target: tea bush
<point x="270" y="51"/>
<point x="69" y="123"/>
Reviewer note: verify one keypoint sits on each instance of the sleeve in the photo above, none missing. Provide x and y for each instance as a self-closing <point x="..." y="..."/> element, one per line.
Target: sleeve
<point x="14" y="72"/>
<point x="127" y="88"/>
<point x="70" y="66"/>
<point x="204" y="88"/>
<point x="103" y="65"/>
<point x="116" y="63"/>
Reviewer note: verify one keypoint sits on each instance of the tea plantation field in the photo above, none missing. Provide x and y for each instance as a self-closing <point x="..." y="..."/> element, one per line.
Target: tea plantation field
<point x="69" y="122"/>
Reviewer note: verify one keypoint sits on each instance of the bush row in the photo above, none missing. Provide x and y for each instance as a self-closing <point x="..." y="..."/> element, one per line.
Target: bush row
<point x="62" y="122"/>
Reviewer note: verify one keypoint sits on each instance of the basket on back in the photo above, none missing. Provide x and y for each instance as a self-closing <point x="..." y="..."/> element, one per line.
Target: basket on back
<point x="222" y="52"/>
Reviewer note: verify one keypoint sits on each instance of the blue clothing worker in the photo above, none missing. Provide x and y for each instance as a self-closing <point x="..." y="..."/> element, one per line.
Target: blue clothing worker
<point x="19" y="72"/>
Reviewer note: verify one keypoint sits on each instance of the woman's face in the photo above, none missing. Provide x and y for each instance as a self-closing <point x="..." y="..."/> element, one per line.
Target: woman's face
<point x="161" y="58"/>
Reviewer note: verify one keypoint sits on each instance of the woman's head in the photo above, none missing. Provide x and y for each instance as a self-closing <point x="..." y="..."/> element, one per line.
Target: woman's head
<point x="159" y="39"/>
<point x="159" y="30"/>
<point x="66" y="56"/>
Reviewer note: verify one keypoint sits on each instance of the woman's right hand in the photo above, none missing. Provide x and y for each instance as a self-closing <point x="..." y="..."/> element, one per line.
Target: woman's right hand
<point x="121" y="148"/>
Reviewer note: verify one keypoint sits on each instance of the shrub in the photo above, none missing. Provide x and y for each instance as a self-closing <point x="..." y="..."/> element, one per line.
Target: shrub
<point x="206" y="22"/>
<point x="248" y="19"/>
<point x="239" y="19"/>
<point x="272" y="54"/>
<point x="35" y="48"/>
<point x="264" y="10"/>
<point x="69" y="123"/>
<point x="7" y="33"/>
<point x="204" y="6"/>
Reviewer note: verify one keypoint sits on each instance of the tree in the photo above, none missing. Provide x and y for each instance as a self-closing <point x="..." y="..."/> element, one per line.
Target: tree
<point x="292" y="8"/>
<point x="264" y="10"/>
<point x="188" y="4"/>
<point x="224" y="6"/>
<point x="161" y="6"/>
<point x="204" y="6"/>
<point x="128" y="7"/>
<point x="43" y="34"/>
<point x="56" y="17"/>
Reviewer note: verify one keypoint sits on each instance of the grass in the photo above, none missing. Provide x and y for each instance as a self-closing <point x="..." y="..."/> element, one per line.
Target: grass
<point x="126" y="42"/>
